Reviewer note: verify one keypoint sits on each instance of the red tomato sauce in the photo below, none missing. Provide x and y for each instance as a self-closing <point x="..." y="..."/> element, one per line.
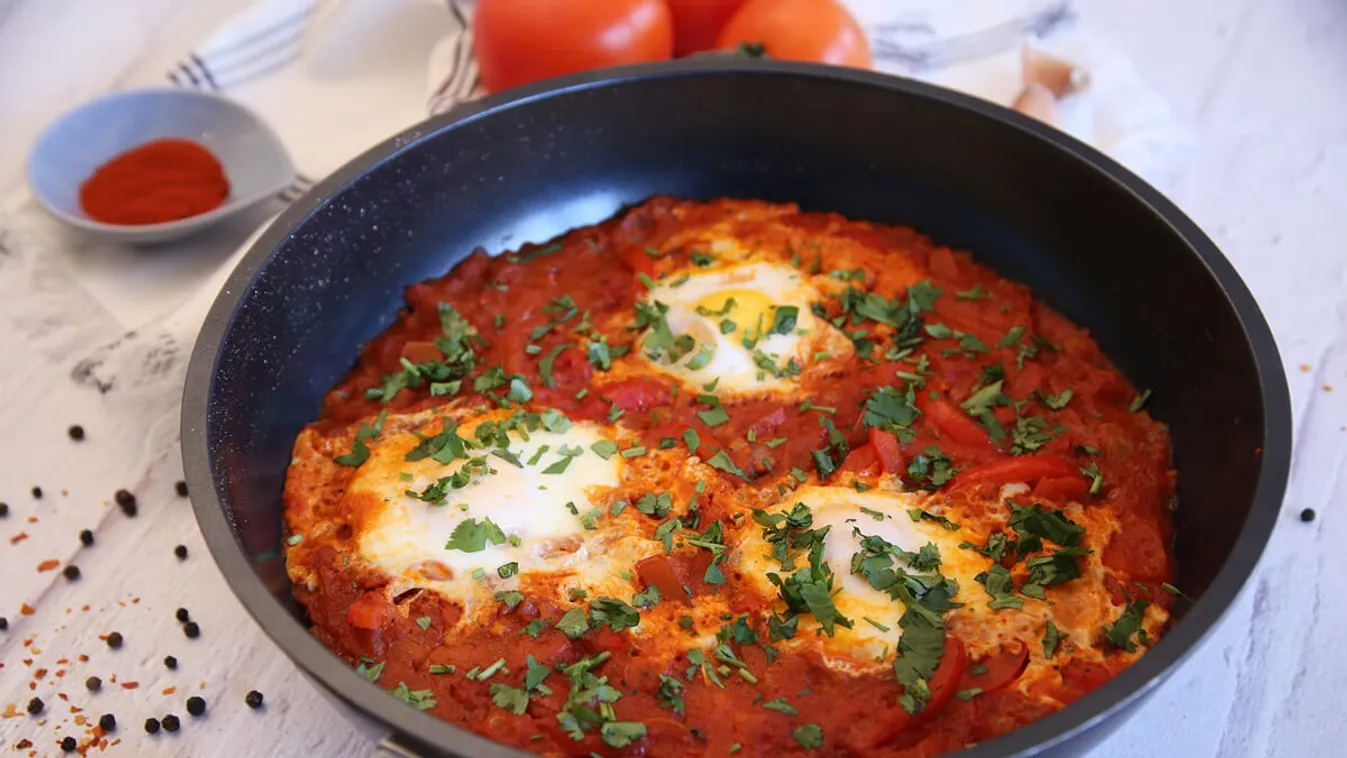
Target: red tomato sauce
<point x="506" y="297"/>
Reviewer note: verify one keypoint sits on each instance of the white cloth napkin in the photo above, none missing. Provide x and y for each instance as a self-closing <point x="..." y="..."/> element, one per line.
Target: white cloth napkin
<point x="334" y="77"/>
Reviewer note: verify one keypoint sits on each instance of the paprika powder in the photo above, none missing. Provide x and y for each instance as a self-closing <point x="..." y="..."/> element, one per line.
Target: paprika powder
<point x="162" y="180"/>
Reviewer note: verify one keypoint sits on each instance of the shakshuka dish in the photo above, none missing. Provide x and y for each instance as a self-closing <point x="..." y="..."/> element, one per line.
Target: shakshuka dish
<point x="718" y="478"/>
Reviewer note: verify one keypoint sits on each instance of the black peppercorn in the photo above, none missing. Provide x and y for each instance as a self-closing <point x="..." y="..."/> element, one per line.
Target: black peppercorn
<point x="93" y="684"/>
<point x="115" y="640"/>
<point x="1308" y="515"/>
<point x="151" y="725"/>
<point x="170" y="723"/>
<point x="196" y="705"/>
<point x="126" y="501"/>
<point x="191" y="630"/>
<point x="37" y="493"/>
<point x="68" y="744"/>
<point x="4" y="510"/>
<point x="35" y="706"/>
<point x="72" y="572"/>
<point x="253" y="699"/>
<point x="181" y="552"/>
<point x="181" y="488"/>
<point x="107" y="722"/>
<point x="171" y="662"/>
<point x="182" y="615"/>
<point x="4" y="623"/>
<point x="86" y="537"/>
<point x="76" y="432"/>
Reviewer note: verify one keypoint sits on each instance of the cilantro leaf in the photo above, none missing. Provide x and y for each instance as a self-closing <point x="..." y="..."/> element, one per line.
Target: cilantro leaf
<point x="1052" y="637"/>
<point x="509" y="698"/>
<point x="1120" y="632"/>
<point x="573" y="623"/>
<point x="620" y="734"/>
<point x="359" y="452"/>
<point x="613" y="613"/>
<point x="810" y="736"/>
<point x="1001" y="587"/>
<point x="471" y="535"/>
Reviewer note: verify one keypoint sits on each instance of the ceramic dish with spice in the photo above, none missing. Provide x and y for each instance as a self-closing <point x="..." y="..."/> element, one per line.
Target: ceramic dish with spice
<point x="154" y="165"/>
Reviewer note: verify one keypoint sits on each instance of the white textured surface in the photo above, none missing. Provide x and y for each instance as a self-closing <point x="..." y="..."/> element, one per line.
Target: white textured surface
<point x="1261" y="83"/>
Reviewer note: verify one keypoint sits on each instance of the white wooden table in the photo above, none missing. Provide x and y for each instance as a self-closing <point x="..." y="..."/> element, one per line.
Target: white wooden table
<point x="1264" y="83"/>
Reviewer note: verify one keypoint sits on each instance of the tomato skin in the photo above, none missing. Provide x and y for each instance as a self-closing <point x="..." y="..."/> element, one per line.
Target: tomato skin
<point x="1002" y="668"/>
<point x="953" y="423"/>
<point x="522" y="41"/>
<point x="818" y="31"/>
<point x="697" y="23"/>
<point x="887" y="450"/>
<point x="656" y="571"/>
<point x="1026" y="468"/>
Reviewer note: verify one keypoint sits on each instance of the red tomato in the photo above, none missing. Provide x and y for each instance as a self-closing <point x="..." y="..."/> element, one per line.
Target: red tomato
<point x="954" y="423"/>
<point x="821" y="31"/>
<point x="697" y="23"/>
<point x="886" y="448"/>
<point x="521" y="41"/>
<point x="656" y="571"/>
<point x="888" y="725"/>
<point x="372" y="611"/>
<point x="1026" y="468"/>
<point x="1002" y="668"/>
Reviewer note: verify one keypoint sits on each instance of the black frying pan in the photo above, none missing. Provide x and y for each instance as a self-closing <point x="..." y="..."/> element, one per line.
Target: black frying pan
<point x="1090" y="238"/>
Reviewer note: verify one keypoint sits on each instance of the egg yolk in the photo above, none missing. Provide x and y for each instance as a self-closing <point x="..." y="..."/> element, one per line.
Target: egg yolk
<point x="739" y="313"/>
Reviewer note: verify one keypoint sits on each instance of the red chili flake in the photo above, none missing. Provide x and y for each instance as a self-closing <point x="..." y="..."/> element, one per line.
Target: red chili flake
<point x="23" y="744"/>
<point x="82" y="658"/>
<point x="169" y="691"/>
<point x="47" y="565"/>
<point x="130" y="685"/>
<point x="27" y="610"/>
<point x="20" y="537"/>
<point x="32" y="519"/>
<point x="39" y="673"/>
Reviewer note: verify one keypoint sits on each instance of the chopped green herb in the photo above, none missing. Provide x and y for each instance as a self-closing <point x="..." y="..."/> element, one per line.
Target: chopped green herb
<point x="977" y="293"/>
<point x="968" y="694"/>
<point x="510" y="598"/>
<point x="810" y="736"/>
<point x="781" y="706"/>
<point x="507" y="570"/>
<point x="359" y="451"/>
<point x="1052" y="637"/>
<point x="573" y="623"/>
<point x="424" y="622"/>
<point x="471" y="535"/>
<point x="604" y="448"/>
<point x="1128" y="625"/>
<point x="1139" y="401"/>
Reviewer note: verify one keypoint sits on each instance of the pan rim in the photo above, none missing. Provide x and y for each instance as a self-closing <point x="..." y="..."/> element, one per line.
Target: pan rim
<point x="1125" y="689"/>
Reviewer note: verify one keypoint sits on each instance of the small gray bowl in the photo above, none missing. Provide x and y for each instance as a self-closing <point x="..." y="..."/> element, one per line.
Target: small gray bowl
<point x="70" y="150"/>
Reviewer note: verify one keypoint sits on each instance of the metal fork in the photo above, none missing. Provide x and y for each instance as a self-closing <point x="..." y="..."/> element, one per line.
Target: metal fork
<point x="965" y="47"/>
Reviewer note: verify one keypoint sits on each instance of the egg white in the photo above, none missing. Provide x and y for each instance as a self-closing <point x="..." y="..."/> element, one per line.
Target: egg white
<point x="734" y="343"/>
<point x="552" y="525"/>
<point x="851" y="516"/>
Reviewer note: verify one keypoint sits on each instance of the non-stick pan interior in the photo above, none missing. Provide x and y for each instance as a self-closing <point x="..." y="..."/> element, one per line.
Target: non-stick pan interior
<point x="1035" y="212"/>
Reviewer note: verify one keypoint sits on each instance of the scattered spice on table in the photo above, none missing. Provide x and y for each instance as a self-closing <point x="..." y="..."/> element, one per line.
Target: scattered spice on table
<point x="4" y="623"/>
<point x="196" y="705"/>
<point x="181" y="488"/>
<point x="35" y="706"/>
<point x="37" y="493"/>
<point x="107" y="722"/>
<point x="76" y="432"/>
<point x="182" y="615"/>
<point x="158" y="181"/>
<point x="86" y="537"/>
<point x="170" y="662"/>
<point x="181" y="552"/>
<point x="191" y="629"/>
<point x="126" y="501"/>
<point x="93" y="684"/>
<point x="4" y="510"/>
<point x="72" y="572"/>
<point x="253" y="699"/>
<point x="68" y="744"/>
<point x="170" y="723"/>
<point x="152" y="725"/>
<point x="1308" y="515"/>
<point x="114" y="640"/>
